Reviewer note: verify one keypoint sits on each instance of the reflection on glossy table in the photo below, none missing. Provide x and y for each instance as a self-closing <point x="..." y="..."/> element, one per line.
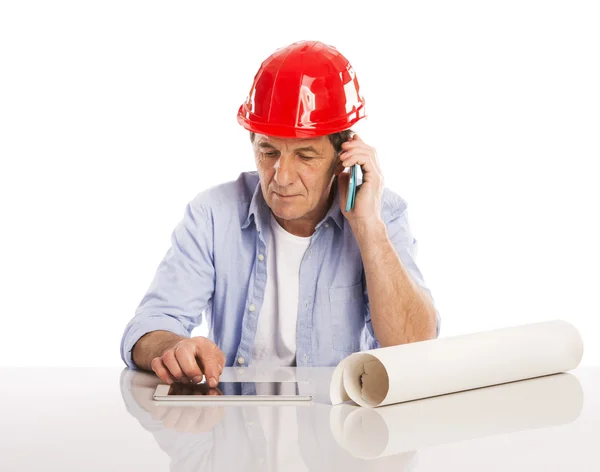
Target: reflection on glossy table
<point x="105" y="419"/>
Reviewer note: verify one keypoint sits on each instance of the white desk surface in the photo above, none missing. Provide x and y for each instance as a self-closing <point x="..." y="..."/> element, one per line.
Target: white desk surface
<point x="104" y="419"/>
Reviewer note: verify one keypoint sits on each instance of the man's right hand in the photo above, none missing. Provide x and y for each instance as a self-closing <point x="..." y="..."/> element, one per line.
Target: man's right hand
<point x="188" y="360"/>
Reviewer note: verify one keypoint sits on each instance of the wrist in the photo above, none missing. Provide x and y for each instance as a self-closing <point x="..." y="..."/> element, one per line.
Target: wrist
<point x="372" y="229"/>
<point x="151" y="345"/>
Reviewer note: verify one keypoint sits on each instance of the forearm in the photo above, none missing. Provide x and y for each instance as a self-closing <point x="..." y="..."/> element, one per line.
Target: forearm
<point x="152" y="345"/>
<point x="401" y="312"/>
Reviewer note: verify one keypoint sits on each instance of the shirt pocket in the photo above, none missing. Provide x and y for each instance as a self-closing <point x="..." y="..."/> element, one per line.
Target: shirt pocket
<point x="346" y="306"/>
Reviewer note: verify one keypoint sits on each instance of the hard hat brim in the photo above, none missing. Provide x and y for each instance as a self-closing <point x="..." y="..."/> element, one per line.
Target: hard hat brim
<point x="307" y="131"/>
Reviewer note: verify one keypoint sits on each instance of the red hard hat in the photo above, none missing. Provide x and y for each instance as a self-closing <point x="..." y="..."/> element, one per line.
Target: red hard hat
<point x="304" y="90"/>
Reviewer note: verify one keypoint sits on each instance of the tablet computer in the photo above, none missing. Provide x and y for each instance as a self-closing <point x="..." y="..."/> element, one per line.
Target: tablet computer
<point x="234" y="391"/>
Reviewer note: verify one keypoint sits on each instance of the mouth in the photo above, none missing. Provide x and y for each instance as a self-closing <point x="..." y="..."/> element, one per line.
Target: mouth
<point x="284" y="197"/>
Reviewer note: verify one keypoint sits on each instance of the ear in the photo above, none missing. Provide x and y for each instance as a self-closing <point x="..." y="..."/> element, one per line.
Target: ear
<point x="339" y="167"/>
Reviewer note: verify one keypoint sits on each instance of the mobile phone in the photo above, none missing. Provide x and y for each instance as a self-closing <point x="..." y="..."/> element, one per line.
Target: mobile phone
<point x="352" y="187"/>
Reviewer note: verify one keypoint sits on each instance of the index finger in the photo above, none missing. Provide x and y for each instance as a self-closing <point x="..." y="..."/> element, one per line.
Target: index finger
<point x="211" y="361"/>
<point x="187" y="361"/>
<point x="353" y="145"/>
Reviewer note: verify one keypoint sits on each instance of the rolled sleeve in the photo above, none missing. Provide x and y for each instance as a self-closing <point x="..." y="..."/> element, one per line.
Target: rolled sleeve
<point x="183" y="284"/>
<point x="141" y="325"/>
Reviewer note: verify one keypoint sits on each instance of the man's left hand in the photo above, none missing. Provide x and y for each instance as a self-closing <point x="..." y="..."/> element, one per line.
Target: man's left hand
<point x="367" y="203"/>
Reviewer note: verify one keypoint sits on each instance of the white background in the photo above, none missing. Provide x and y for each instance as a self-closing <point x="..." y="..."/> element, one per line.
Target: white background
<point x="114" y="114"/>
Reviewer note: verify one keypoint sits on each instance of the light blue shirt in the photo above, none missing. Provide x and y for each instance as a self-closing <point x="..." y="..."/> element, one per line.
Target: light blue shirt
<point x="217" y="264"/>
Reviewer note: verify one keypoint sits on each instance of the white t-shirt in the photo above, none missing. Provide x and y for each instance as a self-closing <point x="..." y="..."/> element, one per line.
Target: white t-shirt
<point x="275" y="341"/>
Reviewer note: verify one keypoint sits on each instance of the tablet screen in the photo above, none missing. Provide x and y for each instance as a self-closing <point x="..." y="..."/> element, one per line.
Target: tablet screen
<point x="235" y="388"/>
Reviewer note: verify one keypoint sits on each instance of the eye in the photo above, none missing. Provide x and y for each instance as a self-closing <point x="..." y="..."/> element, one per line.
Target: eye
<point x="306" y="158"/>
<point x="270" y="153"/>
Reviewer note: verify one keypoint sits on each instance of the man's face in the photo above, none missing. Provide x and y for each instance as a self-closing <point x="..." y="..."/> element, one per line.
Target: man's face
<point x="295" y="174"/>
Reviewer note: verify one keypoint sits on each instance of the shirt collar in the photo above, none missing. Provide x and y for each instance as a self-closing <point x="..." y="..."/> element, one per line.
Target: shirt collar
<point x="259" y="211"/>
<point x="334" y="212"/>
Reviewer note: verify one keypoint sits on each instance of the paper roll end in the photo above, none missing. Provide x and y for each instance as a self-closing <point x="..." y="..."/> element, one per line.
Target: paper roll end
<point x="366" y="380"/>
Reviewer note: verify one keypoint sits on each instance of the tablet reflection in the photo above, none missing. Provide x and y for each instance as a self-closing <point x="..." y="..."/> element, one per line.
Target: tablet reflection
<point x="245" y="438"/>
<point x="502" y="409"/>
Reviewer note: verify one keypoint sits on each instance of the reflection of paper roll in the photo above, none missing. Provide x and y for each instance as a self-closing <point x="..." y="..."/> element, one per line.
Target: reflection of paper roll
<point x="531" y="404"/>
<point x="436" y="367"/>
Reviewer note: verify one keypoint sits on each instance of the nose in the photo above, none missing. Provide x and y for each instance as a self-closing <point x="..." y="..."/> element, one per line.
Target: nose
<point x="284" y="171"/>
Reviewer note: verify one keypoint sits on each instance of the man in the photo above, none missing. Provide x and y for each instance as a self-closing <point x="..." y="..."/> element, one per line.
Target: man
<point x="284" y="274"/>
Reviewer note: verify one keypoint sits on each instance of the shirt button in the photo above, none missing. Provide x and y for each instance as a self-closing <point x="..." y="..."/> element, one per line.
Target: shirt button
<point x="261" y="257"/>
<point x="306" y="304"/>
<point x="305" y="357"/>
<point x="241" y="360"/>
<point x="326" y="225"/>
<point x="252" y="307"/>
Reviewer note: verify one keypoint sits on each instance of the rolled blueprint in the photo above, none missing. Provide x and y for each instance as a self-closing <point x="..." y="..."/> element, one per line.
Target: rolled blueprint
<point x="369" y="433"/>
<point x="440" y="366"/>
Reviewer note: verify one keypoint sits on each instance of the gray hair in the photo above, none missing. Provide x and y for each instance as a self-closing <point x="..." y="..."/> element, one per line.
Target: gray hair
<point x="336" y="139"/>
